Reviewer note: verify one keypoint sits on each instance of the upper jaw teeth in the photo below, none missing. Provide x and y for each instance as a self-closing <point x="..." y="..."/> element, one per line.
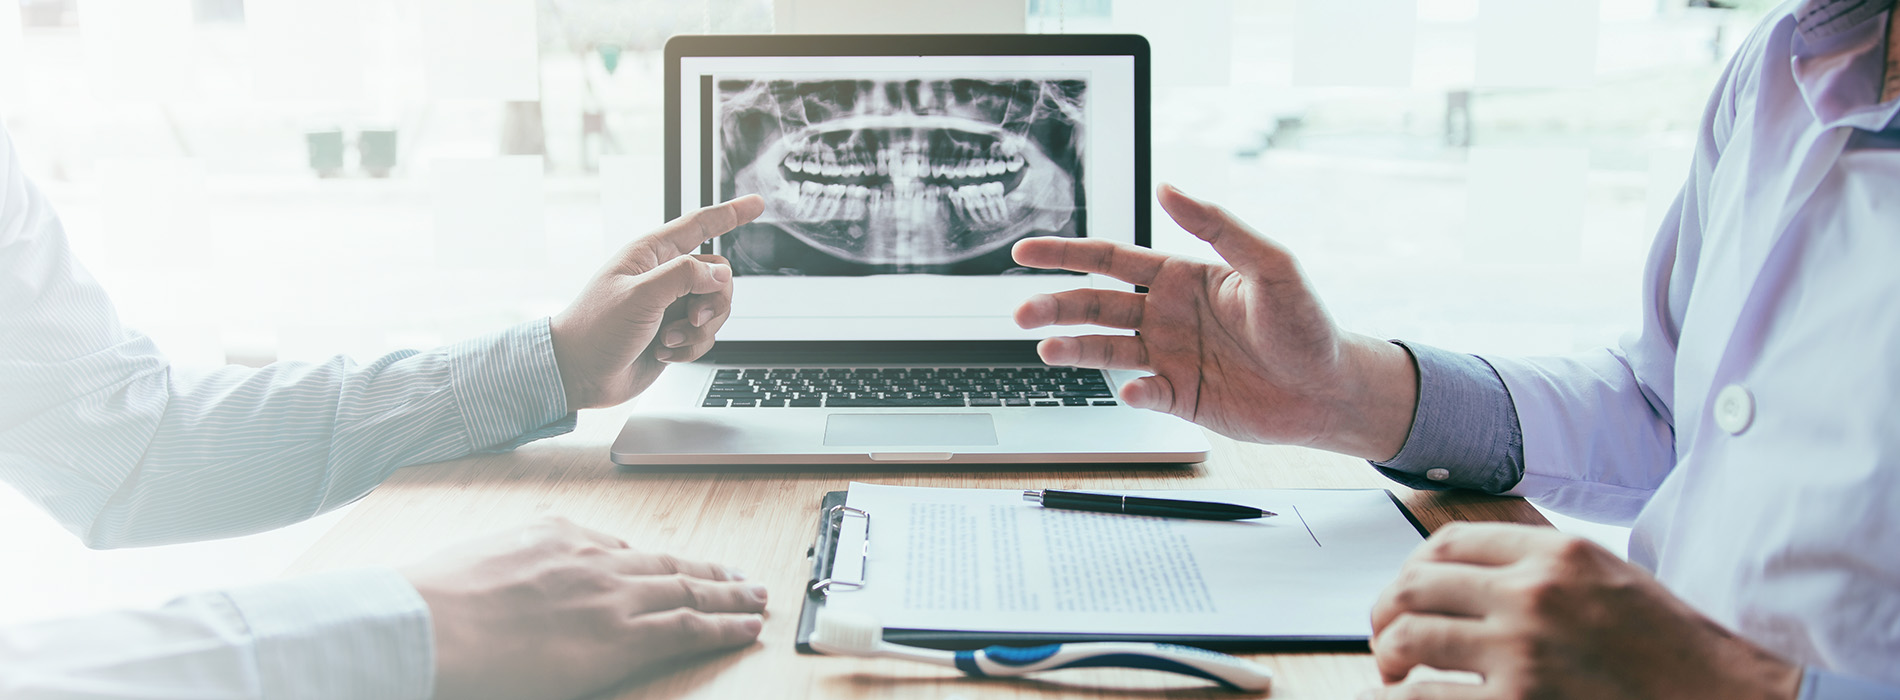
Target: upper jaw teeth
<point x="903" y="165"/>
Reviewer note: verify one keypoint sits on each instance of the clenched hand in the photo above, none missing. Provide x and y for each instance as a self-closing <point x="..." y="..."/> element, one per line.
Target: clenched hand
<point x="1541" y="614"/>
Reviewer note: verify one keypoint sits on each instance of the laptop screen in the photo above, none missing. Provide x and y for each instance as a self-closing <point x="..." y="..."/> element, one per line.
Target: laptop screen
<point x="895" y="186"/>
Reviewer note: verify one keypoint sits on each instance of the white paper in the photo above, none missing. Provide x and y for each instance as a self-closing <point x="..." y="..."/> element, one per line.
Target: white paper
<point x="481" y="49"/>
<point x="1354" y="43"/>
<point x="1536" y="43"/>
<point x="489" y="212"/>
<point x="1526" y="205"/>
<point x="986" y="560"/>
<point x="898" y="16"/>
<point x="307" y="49"/>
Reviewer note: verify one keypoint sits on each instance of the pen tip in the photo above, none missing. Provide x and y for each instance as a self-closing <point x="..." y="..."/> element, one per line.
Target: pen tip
<point x="1032" y="496"/>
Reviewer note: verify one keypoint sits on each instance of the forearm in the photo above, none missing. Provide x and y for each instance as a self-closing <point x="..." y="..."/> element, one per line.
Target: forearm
<point x="355" y="634"/>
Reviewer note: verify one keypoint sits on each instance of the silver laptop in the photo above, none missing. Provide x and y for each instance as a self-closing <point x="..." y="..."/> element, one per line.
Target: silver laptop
<point x="873" y="298"/>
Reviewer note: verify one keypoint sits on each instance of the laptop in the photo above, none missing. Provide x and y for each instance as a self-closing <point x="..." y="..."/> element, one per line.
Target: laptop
<point x="871" y="321"/>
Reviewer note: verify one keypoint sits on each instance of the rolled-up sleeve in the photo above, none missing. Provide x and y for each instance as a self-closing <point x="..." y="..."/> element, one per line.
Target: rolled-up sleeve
<point x="1464" y="433"/>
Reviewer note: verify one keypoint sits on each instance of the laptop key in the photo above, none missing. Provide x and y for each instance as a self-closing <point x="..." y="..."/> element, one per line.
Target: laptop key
<point x="1101" y="402"/>
<point x="1075" y="401"/>
<point x="713" y="403"/>
<point x="1046" y="402"/>
<point x="812" y="402"/>
<point x="986" y="402"/>
<point x="747" y="403"/>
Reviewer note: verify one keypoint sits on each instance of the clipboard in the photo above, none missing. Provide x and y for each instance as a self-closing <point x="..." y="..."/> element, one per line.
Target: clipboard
<point x="823" y="554"/>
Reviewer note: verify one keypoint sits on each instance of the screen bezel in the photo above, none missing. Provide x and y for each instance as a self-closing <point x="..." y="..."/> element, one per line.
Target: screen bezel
<point x="902" y="45"/>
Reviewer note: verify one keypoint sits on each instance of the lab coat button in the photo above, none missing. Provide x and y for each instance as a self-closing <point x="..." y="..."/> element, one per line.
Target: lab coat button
<point x="1734" y="409"/>
<point x="1438" y="474"/>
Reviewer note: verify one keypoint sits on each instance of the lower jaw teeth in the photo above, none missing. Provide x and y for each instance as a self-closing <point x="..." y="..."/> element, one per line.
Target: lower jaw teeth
<point x="905" y="207"/>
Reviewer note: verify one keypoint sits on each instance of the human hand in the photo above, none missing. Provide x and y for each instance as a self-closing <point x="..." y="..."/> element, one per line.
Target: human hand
<point x="654" y="303"/>
<point x="1243" y="348"/>
<point x="556" y="611"/>
<point x="1541" y="614"/>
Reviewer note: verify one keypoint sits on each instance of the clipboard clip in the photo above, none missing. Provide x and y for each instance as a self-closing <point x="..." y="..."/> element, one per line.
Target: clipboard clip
<point x="834" y="519"/>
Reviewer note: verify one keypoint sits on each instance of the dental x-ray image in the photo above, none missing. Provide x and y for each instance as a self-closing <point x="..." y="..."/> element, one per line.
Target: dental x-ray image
<point x="899" y="176"/>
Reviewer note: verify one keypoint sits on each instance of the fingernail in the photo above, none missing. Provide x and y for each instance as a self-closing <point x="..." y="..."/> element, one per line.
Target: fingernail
<point x="722" y="274"/>
<point x="734" y="574"/>
<point x="674" y="339"/>
<point x="758" y="593"/>
<point x="703" y="316"/>
<point x="665" y="356"/>
<point x="753" y="624"/>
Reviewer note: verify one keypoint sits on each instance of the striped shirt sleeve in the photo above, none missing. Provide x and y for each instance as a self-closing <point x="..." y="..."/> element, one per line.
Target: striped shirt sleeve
<point x="124" y="449"/>
<point x="347" y="634"/>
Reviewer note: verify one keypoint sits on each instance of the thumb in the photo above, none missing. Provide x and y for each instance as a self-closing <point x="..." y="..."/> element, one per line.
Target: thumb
<point x="658" y="288"/>
<point x="1154" y="393"/>
<point x="1250" y="252"/>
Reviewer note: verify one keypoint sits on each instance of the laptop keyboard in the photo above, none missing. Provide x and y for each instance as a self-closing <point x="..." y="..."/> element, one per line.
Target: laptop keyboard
<point x="907" y="387"/>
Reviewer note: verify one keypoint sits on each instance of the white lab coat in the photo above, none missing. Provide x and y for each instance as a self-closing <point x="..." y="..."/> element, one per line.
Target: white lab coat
<point x="1751" y="432"/>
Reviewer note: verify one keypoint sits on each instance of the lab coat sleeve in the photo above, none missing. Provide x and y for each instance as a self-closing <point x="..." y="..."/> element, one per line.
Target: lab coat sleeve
<point x="123" y="449"/>
<point x="1598" y="427"/>
<point x="351" y="634"/>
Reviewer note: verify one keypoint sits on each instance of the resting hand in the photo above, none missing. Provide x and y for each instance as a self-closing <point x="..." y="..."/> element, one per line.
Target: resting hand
<point x="652" y="304"/>
<point x="1540" y="614"/>
<point x="1243" y="348"/>
<point x="558" y="611"/>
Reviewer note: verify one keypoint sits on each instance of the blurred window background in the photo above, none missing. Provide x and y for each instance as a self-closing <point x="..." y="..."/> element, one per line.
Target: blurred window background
<point x="260" y="180"/>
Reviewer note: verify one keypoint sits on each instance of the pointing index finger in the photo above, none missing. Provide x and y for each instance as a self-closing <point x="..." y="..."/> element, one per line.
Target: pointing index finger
<point x="684" y="235"/>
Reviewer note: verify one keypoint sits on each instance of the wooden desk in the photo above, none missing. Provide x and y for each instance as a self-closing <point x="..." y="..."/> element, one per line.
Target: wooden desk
<point x="761" y="520"/>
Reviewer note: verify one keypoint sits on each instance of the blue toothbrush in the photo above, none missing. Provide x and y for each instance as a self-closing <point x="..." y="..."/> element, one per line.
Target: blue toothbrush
<point x="852" y="634"/>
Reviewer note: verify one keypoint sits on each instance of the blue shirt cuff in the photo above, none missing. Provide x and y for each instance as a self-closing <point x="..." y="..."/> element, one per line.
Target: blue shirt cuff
<point x="346" y="634"/>
<point x="1465" y="432"/>
<point x="1817" y="684"/>
<point x="509" y="389"/>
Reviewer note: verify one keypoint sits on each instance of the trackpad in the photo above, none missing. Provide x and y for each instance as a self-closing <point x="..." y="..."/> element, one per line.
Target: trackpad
<point x="888" y="429"/>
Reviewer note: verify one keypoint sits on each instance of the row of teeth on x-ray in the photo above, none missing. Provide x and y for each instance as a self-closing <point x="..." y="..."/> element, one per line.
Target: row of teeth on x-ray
<point x="906" y="162"/>
<point x="908" y="203"/>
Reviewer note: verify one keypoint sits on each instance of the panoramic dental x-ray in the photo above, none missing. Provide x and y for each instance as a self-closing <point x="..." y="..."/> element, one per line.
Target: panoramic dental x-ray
<point x="923" y="175"/>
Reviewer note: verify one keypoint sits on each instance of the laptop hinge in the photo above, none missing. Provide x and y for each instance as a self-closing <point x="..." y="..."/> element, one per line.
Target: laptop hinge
<point x="881" y="352"/>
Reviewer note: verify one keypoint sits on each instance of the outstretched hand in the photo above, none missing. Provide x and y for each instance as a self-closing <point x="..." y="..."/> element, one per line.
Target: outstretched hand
<point x="1244" y="348"/>
<point x="654" y="303"/>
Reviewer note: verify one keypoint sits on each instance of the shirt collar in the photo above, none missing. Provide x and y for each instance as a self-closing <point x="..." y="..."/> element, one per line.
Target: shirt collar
<point x="1839" y="56"/>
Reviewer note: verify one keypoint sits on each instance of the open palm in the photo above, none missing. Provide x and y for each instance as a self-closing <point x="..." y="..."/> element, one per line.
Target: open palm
<point x="1243" y="348"/>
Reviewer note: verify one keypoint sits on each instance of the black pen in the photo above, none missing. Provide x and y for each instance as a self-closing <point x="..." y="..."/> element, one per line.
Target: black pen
<point x="1142" y="505"/>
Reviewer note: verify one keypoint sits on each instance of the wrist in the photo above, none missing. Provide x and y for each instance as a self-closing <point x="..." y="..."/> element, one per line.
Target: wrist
<point x="578" y="392"/>
<point x="1373" y="415"/>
